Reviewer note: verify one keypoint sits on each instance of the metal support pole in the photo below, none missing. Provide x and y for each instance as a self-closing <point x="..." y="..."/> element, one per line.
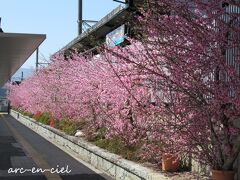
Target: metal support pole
<point x="1" y="31"/>
<point x="37" y="63"/>
<point x="123" y="2"/>
<point x="80" y="20"/>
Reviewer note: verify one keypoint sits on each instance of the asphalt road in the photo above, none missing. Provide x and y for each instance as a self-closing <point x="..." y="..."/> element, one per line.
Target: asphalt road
<point x="21" y="147"/>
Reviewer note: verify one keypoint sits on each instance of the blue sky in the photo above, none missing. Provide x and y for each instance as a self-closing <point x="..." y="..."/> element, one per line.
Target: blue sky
<point x="55" y="18"/>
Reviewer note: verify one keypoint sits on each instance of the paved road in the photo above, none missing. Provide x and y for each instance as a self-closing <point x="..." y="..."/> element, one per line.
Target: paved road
<point x="20" y="147"/>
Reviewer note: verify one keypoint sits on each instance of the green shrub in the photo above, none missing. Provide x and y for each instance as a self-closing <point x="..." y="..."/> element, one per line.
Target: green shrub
<point x="81" y="124"/>
<point x="57" y="124"/>
<point x="67" y="126"/>
<point x="115" y="145"/>
<point x="44" y="118"/>
<point x="92" y="134"/>
<point x="29" y="114"/>
<point x="96" y="136"/>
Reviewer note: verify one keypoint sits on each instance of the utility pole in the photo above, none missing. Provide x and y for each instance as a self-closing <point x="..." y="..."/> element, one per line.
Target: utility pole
<point x="82" y="23"/>
<point x="37" y="63"/>
<point x="80" y="20"/>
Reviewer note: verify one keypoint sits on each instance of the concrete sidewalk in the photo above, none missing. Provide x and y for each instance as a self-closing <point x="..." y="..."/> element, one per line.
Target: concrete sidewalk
<point x="20" y="147"/>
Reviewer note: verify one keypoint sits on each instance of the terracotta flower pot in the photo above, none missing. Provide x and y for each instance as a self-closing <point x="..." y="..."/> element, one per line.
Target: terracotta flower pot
<point x="170" y="162"/>
<point x="51" y="122"/>
<point x="222" y="175"/>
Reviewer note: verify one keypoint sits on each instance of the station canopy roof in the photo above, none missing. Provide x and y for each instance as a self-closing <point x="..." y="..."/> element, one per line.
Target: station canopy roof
<point x="15" y="49"/>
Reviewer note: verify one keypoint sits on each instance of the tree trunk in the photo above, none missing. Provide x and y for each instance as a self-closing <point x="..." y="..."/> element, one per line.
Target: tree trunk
<point x="228" y="164"/>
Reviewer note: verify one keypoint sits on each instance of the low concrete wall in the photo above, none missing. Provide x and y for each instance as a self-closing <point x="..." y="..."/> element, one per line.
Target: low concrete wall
<point x="111" y="164"/>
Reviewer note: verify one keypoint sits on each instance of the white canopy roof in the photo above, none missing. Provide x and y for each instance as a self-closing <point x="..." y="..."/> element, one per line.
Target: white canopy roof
<point x="15" y="49"/>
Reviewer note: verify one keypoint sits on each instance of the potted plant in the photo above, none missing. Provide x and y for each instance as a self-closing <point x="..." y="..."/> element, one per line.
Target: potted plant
<point x="170" y="162"/>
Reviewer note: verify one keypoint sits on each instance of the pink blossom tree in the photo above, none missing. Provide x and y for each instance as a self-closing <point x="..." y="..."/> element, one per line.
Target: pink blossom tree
<point x="175" y="89"/>
<point x="86" y="87"/>
<point x="189" y="58"/>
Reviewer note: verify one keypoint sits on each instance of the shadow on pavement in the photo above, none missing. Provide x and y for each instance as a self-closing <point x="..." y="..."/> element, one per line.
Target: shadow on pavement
<point x="64" y="177"/>
<point x="7" y="150"/>
<point x="23" y="177"/>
